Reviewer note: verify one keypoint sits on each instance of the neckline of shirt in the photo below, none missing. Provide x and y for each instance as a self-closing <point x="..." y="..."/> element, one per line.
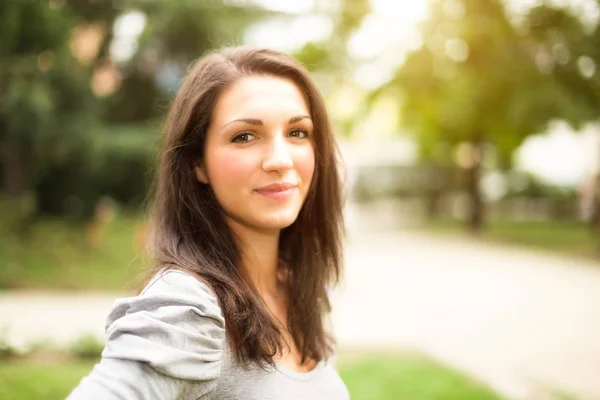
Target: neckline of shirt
<point x="302" y="376"/>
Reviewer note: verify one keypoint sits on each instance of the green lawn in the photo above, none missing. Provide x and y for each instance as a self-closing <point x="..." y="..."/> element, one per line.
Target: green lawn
<point x="56" y="254"/>
<point x="397" y="378"/>
<point x="410" y="378"/>
<point x="571" y="238"/>
<point x="38" y="381"/>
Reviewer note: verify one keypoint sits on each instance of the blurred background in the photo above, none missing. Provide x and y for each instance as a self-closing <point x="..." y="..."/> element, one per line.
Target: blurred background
<point x="471" y="137"/>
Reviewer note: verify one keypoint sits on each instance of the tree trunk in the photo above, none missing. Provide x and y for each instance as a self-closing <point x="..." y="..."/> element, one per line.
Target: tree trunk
<point x="433" y="198"/>
<point x="596" y="210"/>
<point x="476" y="208"/>
<point x="15" y="164"/>
<point x="19" y="206"/>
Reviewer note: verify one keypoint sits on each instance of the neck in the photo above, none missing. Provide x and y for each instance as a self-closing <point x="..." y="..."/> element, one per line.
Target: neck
<point x="260" y="256"/>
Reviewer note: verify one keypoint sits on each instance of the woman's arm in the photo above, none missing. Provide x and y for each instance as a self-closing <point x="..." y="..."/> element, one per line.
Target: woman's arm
<point x="114" y="379"/>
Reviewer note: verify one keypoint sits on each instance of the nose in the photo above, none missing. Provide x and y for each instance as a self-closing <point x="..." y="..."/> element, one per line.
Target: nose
<point x="278" y="157"/>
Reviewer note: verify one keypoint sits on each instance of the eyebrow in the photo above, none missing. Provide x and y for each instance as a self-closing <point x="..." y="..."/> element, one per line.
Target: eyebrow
<point x="258" y="122"/>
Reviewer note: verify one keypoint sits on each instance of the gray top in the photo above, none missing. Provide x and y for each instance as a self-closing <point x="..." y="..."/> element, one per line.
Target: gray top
<point x="169" y="343"/>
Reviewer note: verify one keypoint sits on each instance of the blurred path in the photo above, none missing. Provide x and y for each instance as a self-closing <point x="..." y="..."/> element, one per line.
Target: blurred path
<point x="33" y="317"/>
<point x="522" y="322"/>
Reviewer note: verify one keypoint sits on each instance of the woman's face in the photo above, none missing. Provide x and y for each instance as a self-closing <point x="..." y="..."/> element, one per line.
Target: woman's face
<point x="259" y="156"/>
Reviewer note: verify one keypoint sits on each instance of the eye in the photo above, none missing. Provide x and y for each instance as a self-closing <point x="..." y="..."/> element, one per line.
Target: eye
<point x="299" y="133"/>
<point x="243" y="137"/>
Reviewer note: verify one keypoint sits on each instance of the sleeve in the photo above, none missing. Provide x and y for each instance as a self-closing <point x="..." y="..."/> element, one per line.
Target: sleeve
<point x="166" y="343"/>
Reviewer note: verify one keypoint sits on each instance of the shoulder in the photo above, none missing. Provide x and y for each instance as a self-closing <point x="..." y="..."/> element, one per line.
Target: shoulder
<point x="175" y="325"/>
<point x="173" y="283"/>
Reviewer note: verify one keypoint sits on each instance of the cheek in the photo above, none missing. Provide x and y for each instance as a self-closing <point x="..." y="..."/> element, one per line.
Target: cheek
<point x="305" y="165"/>
<point x="227" y="170"/>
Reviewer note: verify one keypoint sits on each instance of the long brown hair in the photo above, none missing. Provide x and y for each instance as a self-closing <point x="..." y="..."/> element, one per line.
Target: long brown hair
<point x="189" y="231"/>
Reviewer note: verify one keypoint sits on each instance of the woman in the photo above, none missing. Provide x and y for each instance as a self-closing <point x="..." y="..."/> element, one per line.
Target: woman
<point x="247" y="227"/>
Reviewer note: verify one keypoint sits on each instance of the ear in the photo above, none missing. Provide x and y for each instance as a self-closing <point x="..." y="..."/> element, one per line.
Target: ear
<point x="201" y="174"/>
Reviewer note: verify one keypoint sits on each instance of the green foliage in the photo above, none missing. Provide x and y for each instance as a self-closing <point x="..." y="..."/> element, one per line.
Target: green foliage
<point x="561" y="42"/>
<point x="6" y="349"/>
<point x="87" y="347"/>
<point x="28" y="27"/>
<point x="473" y="80"/>
<point x="185" y="29"/>
<point x="331" y="55"/>
<point x="113" y="161"/>
<point x="46" y="97"/>
<point x="352" y="13"/>
<point x="314" y="56"/>
<point x="176" y="33"/>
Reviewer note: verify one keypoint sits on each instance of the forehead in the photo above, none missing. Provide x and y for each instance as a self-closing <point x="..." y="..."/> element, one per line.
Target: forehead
<point x="256" y="96"/>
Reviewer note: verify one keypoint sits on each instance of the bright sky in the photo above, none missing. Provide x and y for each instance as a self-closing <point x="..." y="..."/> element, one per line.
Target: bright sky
<point x="562" y="155"/>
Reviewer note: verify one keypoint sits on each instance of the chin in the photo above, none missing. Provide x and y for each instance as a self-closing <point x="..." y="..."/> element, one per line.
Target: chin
<point x="277" y="221"/>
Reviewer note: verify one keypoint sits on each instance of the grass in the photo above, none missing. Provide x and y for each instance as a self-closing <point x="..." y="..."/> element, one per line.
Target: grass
<point x="566" y="237"/>
<point x="40" y="381"/>
<point x="58" y="254"/>
<point x="399" y="377"/>
<point x="410" y="378"/>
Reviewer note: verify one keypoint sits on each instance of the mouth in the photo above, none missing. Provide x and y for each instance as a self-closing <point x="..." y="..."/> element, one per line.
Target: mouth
<point x="278" y="191"/>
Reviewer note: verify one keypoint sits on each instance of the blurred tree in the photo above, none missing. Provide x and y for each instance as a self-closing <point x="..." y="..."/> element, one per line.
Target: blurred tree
<point x="568" y="52"/>
<point x="46" y="105"/>
<point x="329" y="61"/>
<point x="35" y="86"/>
<point x="472" y="83"/>
<point x="26" y="103"/>
<point x="331" y="55"/>
<point x="175" y="33"/>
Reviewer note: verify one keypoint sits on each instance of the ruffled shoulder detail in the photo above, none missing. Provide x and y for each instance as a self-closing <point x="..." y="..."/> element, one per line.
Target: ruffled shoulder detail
<point x="175" y="325"/>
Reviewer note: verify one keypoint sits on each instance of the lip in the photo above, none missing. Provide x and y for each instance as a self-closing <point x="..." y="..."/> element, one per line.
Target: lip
<point x="278" y="190"/>
<point x="277" y="187"/>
